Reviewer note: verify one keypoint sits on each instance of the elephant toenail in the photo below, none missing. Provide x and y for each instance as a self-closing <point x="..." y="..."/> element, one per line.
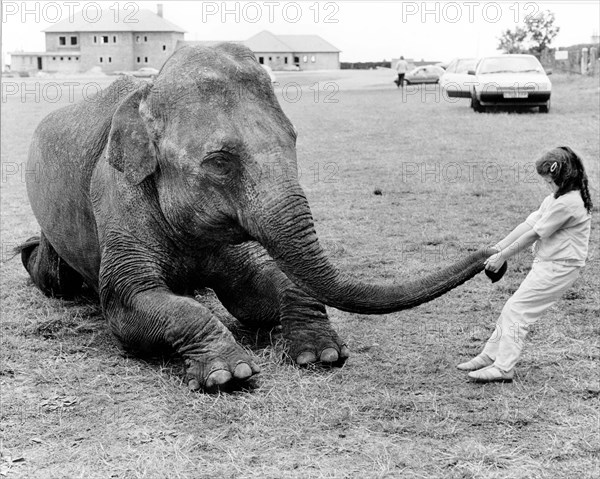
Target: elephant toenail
<point x="218" y="378"/>
<point x="329" y="355"/>
<point x="255" y="368"/>
<point x="242" y="371"/>
<point x="305" y="358"/>
<point x="344" y="352"/>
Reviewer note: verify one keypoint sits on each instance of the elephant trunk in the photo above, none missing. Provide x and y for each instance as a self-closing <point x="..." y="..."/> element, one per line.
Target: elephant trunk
<point x="287" y="232"/>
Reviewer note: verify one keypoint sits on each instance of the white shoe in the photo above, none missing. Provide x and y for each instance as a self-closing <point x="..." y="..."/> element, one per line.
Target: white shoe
<point x="478" y="362"/>
<point x="492" y="374"/>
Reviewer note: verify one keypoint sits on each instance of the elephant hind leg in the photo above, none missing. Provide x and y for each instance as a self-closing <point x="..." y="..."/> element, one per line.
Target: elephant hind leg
<point x="48" y="270"/>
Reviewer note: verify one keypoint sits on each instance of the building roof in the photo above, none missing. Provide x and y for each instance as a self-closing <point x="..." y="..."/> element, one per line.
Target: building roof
<point x="267" y="42"/>
<point x="128" y="21"/>
<point x="307" y="43"/>
<point x="201" y="43"/>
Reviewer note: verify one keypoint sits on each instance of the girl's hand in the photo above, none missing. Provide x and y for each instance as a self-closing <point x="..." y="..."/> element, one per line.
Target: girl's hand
<point x="494" y="262"/>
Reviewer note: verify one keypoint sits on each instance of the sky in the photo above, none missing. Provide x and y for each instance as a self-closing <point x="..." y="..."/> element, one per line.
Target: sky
<point x="362" y="30"/>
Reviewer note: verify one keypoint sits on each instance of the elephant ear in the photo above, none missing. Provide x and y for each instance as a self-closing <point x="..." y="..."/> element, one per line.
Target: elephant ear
<point x="130" y="149"/>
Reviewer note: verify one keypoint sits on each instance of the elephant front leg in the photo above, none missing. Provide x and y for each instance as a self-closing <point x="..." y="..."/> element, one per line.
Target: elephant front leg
<point x="157" y="317"/>
<point x="308" y="331"/>
<point x="254" y="290"/>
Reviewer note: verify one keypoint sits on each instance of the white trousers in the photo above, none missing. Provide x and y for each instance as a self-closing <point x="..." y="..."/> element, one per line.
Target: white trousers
<point x="544" y="285"/>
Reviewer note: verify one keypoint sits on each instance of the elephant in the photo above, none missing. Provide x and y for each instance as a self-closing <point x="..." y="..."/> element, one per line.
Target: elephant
<point x="154" y="189"/>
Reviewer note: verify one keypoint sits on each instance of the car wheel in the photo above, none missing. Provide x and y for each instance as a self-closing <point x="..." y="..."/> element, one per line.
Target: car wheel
<point x="545" y="108"/>
<point x="476" y="105"/>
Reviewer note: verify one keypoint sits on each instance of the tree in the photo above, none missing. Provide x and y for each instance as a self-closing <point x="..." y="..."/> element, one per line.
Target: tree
<point x="511" y="41"/>
<point x="541" y="31"/>
<point x="537" y="33"/>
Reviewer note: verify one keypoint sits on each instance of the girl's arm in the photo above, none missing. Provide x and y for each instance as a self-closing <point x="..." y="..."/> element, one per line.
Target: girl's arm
<point x="526" y="237"/>
<point x="513" y="236"/>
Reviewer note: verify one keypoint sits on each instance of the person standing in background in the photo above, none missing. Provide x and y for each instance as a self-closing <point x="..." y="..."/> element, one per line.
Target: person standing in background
<point x="401" y="69"/>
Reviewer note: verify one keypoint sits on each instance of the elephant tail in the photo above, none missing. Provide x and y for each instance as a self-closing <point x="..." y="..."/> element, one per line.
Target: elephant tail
<point x="24" y="249"/>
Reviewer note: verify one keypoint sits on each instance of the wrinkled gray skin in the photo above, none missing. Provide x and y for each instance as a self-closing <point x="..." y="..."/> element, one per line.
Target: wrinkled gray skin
<point x="155" y="190"/>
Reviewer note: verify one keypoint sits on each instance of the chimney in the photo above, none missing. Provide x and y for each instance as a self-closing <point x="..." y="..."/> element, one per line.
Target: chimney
<point x="159" y="9"/>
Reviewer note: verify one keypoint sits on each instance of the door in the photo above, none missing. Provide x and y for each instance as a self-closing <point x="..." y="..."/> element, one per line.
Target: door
<point x="456" y="81"/>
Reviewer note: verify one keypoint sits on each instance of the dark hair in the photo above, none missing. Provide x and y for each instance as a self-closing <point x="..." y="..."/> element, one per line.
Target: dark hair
<point x="566" y="169"/>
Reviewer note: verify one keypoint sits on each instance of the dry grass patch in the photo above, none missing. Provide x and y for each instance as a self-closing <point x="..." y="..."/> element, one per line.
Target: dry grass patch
<point x="74" y="405"/>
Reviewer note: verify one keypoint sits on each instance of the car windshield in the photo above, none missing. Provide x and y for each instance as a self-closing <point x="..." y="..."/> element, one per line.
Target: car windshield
<point x="464" y="66"/>
<point x="510" y="65"/>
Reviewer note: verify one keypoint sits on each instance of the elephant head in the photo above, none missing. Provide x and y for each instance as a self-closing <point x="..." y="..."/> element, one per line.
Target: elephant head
<point x="211" y="133"/>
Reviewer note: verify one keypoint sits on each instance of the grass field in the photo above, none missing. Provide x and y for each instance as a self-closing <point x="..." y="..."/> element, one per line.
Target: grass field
<point x="75" y="406"/>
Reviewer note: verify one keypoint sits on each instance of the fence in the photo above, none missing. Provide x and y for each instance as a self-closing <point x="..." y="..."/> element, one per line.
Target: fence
<point x="583" y="61"/>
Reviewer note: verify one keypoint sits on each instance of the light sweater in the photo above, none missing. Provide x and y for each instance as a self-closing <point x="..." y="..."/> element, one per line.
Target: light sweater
<point x="563" y="225"/>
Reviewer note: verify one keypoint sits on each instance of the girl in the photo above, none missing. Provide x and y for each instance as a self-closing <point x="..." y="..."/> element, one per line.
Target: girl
<point x="561" y="232"/>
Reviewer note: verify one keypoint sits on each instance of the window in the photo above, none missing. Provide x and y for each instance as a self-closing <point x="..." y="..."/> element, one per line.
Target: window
<point x="69" y="58"/>
<point x="285" y="60"/>
<point x="109" y="59"/>
<point x="101" y="59"/>
<point x="164" y="48"/>
<point x="145" y="38"/>
<point x="464" y="66"/>
<point x="296" y="59"/>
<point x="305" y="58"/>
<point x="62" y="41"/>
<point x="261" y="60"/>
<point x="95" y="39"/>
<point x="138" y="60"/>
<point x="73" y="40"/>
<point x="270" y="58"/>
<point x="54" y="58"/>
<point x="138" y="39"/>
<point x="145" y="59"/>
<point x="62" y="58"/>
<point x="313" y="58"/>
<point x="76" y="59"/>
<point x="114" y="39"/>
<point x="104" y="39"/>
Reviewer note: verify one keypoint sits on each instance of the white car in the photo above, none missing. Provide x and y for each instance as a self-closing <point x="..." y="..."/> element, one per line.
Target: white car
<point x="145" y="72"/>
<point x="456" y="81"/>
<point x="269" y="70"/>
<point x="510" y="80"/>
<point x="424" y="74"/>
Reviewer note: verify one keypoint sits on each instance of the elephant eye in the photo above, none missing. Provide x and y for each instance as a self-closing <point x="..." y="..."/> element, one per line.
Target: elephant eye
<point x="218" y="163"/>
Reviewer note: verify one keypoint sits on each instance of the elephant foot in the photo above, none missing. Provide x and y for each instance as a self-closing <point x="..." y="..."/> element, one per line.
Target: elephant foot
<point x="308" y="332"/>
<point x="329" y="356"/>
<point x="220" y="372"/>
<point x="317" y="343"/>
<point x="48" y="270"/>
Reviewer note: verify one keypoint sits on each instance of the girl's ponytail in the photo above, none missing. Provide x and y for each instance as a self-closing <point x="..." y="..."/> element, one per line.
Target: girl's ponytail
<point x="566" y="169"/>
